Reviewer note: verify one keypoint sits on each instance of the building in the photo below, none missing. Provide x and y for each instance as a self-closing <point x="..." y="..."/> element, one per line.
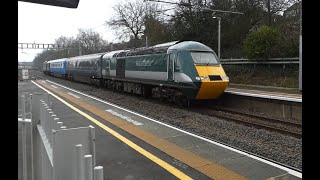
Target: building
<point x="25" y="65"/>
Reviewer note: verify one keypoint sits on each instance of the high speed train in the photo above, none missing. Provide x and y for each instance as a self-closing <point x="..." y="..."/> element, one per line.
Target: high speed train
<point x="177" y="71"/>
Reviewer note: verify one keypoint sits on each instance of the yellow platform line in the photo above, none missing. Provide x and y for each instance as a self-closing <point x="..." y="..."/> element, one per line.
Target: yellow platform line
<point x="147" y="154"/>
<point x="209" y="168"/>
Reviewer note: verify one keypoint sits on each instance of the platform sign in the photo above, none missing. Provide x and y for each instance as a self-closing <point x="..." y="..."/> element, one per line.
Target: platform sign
<point x="25" y="73"/>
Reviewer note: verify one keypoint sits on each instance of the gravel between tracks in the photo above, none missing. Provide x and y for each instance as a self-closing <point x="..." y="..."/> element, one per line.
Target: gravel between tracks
<point x="271" y="145"/>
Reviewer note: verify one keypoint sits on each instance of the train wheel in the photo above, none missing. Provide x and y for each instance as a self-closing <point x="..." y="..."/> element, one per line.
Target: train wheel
<point x="185" y="102"/>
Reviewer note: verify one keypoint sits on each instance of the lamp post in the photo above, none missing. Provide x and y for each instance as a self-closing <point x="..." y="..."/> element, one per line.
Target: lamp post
<point x="300" y="50"/>
<point x="219" y="29"/>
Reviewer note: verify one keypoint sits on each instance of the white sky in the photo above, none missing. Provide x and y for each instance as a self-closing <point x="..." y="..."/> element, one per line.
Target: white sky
<point x="39" y="23"/>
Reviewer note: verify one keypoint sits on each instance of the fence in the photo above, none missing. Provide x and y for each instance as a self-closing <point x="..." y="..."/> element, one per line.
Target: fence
<point x="57" y="152"/>
<point x="279" y="61"/>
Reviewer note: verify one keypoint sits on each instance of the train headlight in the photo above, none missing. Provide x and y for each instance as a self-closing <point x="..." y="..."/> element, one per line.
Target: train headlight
<point x="197" y="78"/>
<point x="225" y="78"/>
<point x="204" y="77"/>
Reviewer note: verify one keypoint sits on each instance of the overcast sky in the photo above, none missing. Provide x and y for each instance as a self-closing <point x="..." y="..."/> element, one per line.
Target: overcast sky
<point x="43" y="23"/>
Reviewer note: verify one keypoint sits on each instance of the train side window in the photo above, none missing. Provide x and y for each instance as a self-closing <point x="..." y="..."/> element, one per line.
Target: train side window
<point x="177" y="64"/>
<point x="98" y="63"/>
<point x="107" y="64"/>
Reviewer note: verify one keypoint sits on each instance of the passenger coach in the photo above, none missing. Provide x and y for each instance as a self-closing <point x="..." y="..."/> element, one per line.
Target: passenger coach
<point x="58" y="67"/>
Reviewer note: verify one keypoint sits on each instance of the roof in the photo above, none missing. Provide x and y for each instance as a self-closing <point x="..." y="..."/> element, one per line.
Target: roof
<point x="191" y="46"/>
<point x="86" y="57"/>
<point x="57" y="60"/>
<point x="112" y="53"/>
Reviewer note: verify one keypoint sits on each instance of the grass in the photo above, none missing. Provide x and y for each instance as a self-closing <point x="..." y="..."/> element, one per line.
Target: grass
<point x="264" y="75"/>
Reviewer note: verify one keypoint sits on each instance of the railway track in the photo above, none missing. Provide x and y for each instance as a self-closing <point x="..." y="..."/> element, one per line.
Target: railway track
<point x="282" y="126"/>
<point x="277" y="125"/>
<point x="34" y="76"/>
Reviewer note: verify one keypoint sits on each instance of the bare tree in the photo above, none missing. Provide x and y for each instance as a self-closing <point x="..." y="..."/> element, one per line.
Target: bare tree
<point x="90" y="41"/>
<point x="129" y="19"/>
<point x="275" y="7"/>
<point x="69" y="46"/>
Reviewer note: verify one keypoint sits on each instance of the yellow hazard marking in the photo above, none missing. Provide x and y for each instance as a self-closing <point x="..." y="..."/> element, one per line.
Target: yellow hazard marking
<point x="147" y="154"/>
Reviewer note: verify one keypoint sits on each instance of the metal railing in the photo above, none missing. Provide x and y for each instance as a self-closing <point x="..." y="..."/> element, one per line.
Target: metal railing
<point x="294" y="60"/>
<point x="254" y="62"/>
<point x="57" y="152"/>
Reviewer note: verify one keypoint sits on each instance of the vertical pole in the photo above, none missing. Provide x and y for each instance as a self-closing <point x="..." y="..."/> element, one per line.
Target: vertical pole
<point x="78" y="163"/>
<point x="59" y="124"/>
<point x="219" y="29"/>
<point x="93" y="144"/>
<point x="55" y="123"/>
<point x="300" y="50"/>
<point x="31" y="139"/>
<point x="54" y="174"/>
<point x="146" y="41"/>
<point x="88" y="167"/>
<point x="24" y="140"/>
<point x="79" y="49"/>
<point x="98" y="173"/>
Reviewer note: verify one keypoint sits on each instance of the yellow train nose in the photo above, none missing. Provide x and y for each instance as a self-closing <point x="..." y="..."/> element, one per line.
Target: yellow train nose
<point x="213" y="81"/>
<point x="211" y="90"/>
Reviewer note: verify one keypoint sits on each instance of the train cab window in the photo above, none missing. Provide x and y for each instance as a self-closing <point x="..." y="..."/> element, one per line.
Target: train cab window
<point x="204" y="58"/>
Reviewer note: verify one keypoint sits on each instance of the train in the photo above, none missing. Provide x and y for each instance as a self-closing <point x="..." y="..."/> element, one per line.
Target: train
<point x="178" y="71"/>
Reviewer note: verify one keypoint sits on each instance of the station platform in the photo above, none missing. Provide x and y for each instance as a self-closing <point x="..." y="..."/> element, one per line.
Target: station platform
<point x="132" y="146"/>
<point x="269" y="92"/>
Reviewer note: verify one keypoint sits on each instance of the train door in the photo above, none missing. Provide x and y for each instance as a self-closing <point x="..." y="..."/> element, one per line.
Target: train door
<point x="170" y="66"/>
<point x="120" y="67"/>
<point x="99" y="67"/>
<point x="107" y="66"/>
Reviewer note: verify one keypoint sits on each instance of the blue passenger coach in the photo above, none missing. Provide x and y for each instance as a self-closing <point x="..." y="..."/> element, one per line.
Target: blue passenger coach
<point x="58" y="67"/>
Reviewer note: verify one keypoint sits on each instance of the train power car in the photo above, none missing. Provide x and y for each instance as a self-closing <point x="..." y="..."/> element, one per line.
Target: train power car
<point x="58" y="67"/>
<point x="177" y="71"/>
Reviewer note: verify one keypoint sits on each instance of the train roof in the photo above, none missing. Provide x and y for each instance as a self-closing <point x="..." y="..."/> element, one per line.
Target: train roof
<point x="57" y="60"/>
<point x="165" y="44"/>
<point x="190" y="46"/>
<point x="113" y="53"/>
<point x="163" y="48"/>
<point x="86" y="57"/>
<point x="156" y="49"/>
